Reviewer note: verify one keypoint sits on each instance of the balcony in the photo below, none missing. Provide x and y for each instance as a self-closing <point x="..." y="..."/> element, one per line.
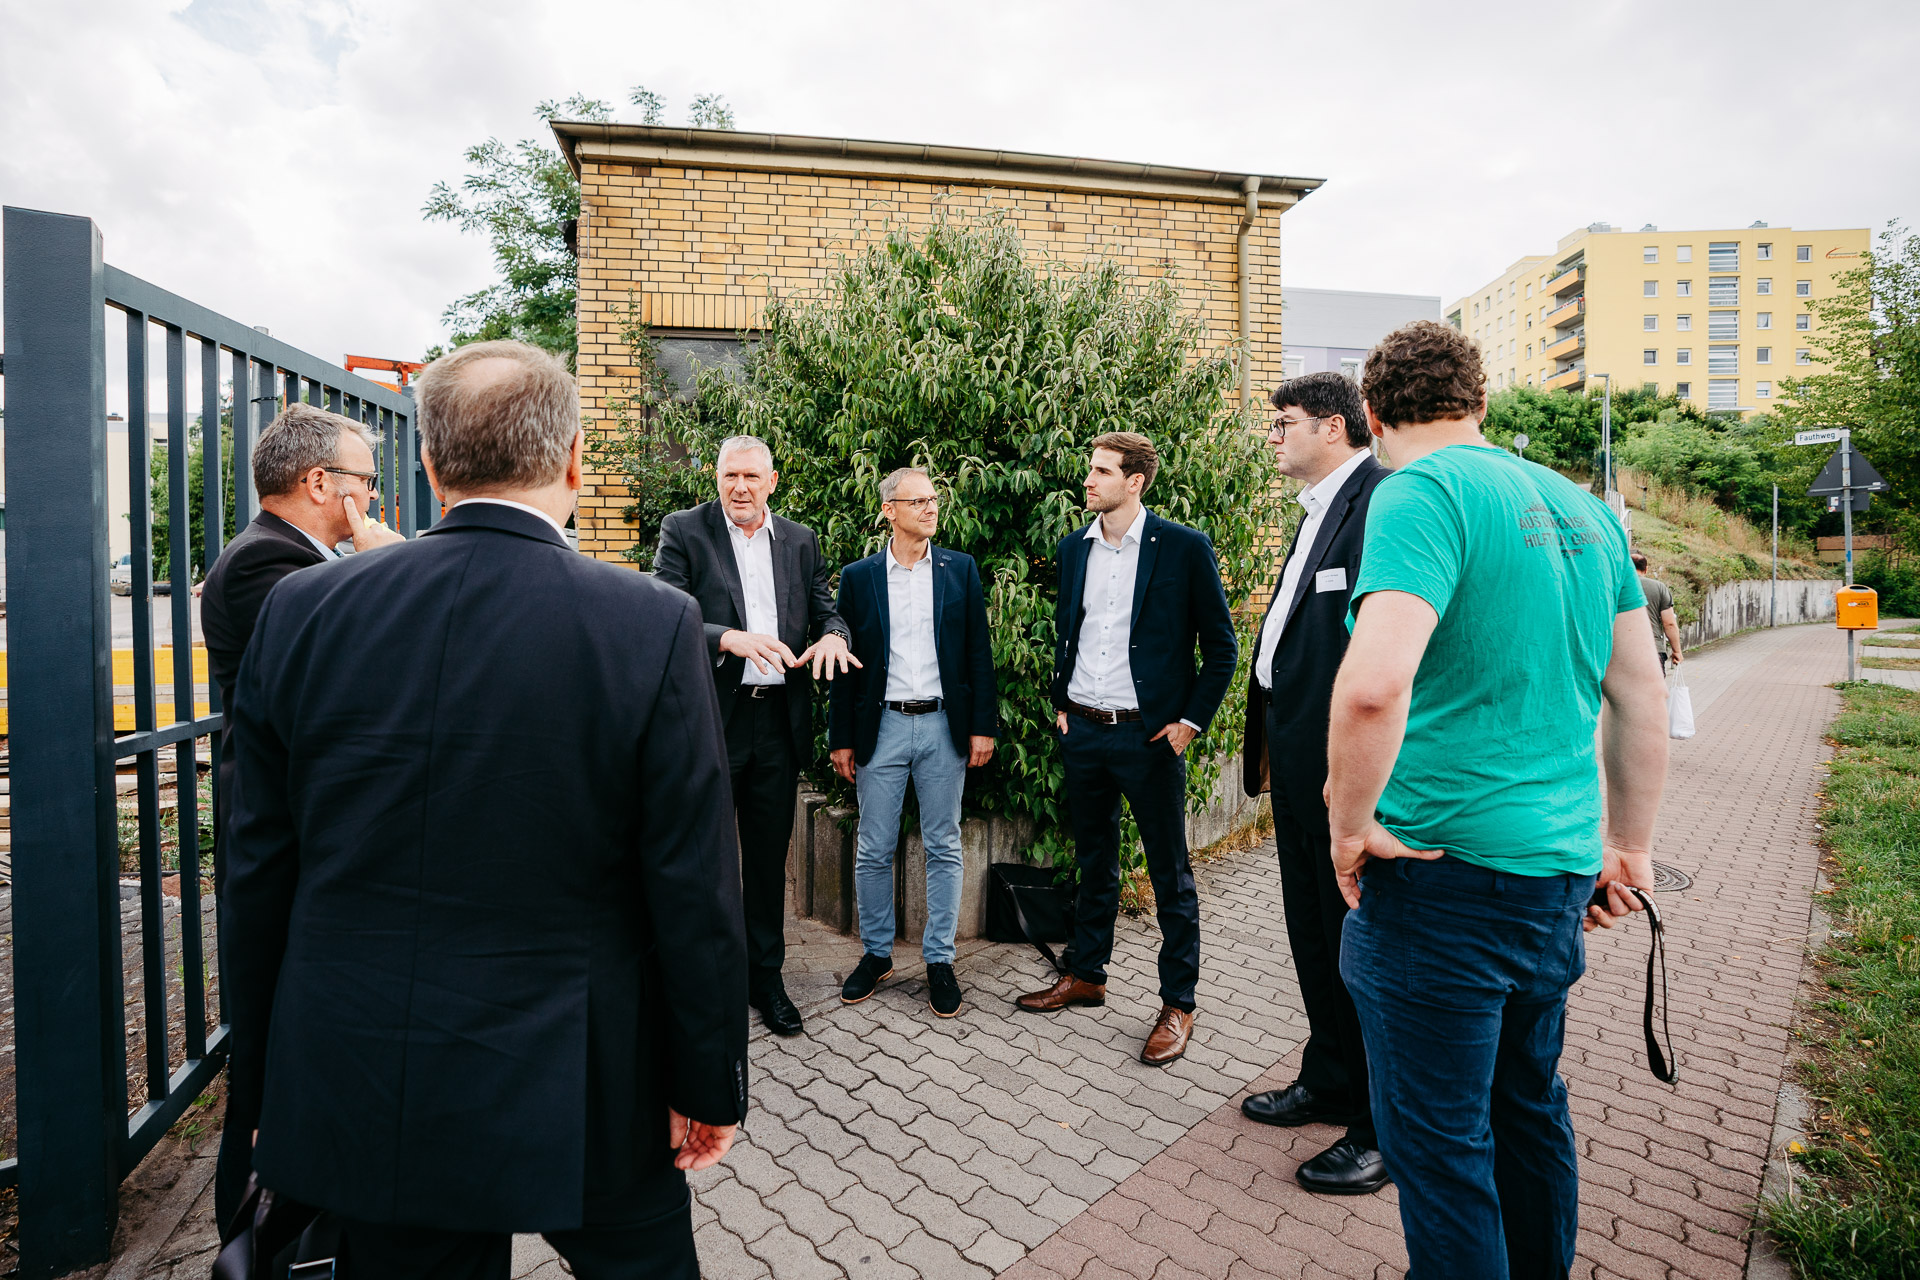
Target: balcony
<point x="1567" y="279"/>
<point x="1566" y="313"/>
<point x="1571" y="344"/>
<point x="1567" y="379"/>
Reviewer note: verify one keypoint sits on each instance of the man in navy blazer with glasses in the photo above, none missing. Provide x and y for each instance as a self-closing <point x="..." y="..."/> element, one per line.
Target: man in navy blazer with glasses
<point x="921" y="705"/>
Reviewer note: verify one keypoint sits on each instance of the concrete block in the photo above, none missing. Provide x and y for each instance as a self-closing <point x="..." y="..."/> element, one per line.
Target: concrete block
<point x="800" y="855"/>
<point x="976" y="854"/>
<point x="832" y="859"/>
<point x="910" y="892"/>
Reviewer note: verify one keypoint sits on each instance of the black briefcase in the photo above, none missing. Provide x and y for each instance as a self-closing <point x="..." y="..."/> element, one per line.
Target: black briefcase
<point x="1025" y="905"/>
<point x="274" y="1237"/>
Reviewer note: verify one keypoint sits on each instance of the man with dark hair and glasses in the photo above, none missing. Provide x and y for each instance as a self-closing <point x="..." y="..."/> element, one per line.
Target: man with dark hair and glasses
<point x="1319" y="438"/>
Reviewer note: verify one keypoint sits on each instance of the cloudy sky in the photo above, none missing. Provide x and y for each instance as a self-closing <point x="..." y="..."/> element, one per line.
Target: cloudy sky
<point x="270" y="157"/>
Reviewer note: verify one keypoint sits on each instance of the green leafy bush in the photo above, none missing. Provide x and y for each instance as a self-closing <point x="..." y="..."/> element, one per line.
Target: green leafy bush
<point x="1895" y="578"/>
<point x="950" y="349"/>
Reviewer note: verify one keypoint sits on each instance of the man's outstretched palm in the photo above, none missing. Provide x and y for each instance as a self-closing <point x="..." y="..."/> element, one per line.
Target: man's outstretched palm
<point x="697" y="1145"/>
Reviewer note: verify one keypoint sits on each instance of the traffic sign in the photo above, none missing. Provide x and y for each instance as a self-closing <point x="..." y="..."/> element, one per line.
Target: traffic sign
<point x="1521" y="441"/>
<point x="1865" y="478"/>
<point x="1824" y="435"/>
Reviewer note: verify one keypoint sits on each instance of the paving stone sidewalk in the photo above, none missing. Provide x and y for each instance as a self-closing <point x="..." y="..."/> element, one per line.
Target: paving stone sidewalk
<point x="888" y="1142"/>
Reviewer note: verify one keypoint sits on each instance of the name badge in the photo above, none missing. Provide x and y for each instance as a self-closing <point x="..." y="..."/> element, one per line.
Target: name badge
<point x="1331" y="579"/>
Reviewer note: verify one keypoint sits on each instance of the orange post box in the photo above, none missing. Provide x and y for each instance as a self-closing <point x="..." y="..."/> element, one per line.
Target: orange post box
<point x="1856" y="609"/>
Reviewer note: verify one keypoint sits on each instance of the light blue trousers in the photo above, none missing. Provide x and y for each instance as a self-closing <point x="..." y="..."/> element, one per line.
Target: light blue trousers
<point x="919" y="748"/>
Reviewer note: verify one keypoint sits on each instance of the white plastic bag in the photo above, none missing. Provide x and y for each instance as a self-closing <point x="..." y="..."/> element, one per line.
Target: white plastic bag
<point x="1679" y="707"/>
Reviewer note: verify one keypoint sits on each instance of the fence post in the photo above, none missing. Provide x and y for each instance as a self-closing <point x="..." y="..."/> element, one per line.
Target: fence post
<point x="71" y="1070"/>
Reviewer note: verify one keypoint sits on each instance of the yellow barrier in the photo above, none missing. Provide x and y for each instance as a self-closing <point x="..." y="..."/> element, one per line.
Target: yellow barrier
<point x="123" y="716"/>
<point x="123" y="666"/>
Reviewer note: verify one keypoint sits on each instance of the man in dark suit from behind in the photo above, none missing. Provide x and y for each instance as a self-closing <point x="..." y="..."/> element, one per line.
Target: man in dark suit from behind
<point x="314" y="473"/>
<point x="761" y="584"/>
<point x="487" y="965"/>
<point x="923" y="707"/>
<point x="1319" y="438"/>
<point x="1137" y="594"/>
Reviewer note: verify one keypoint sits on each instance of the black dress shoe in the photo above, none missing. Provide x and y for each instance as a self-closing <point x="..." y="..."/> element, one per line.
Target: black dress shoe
<point x="1292" y="1106"/>
<point x="777" y="1011"/>
<point x="1344" y="1169"/>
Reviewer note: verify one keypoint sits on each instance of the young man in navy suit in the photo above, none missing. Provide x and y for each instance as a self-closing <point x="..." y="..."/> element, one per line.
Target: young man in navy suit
<point x="1137" y="593"/>
<point x="1321" y="439"/>
<point x="920" y="705"/>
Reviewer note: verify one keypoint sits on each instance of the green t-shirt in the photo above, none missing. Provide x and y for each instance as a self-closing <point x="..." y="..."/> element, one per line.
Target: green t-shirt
<point x="1527" y="572"/>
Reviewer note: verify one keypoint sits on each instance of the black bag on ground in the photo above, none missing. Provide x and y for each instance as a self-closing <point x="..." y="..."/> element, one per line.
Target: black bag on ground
<point x="273" y="1236"/>
<point x="1025" y="905"/>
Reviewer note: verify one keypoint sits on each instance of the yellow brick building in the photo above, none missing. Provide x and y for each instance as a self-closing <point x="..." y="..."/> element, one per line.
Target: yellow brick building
<point x="698" y="228"/>
<point x="1716" y="317"/>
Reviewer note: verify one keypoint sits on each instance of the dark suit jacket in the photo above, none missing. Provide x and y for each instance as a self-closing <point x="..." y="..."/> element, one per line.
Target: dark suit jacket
<point x="968" y="690"/>
<point x="1177" y="602"/>
<point x="696" y="556"/>
<point x="1310" y="649"/>
<point x="264" y="552"/>
<point x="483" y="896"/>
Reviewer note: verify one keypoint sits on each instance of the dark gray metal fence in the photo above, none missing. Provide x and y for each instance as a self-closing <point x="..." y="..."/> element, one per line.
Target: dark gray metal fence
<point x="77" y="1137"/>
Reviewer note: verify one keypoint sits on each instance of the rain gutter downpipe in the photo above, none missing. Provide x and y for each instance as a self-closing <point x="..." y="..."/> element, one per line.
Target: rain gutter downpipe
<point x="1252" y="188"/>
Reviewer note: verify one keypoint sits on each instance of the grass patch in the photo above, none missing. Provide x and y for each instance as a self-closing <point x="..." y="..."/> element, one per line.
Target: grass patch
<point x="1855" y="1212"/>
<point x="1882" y="640"/>
<point x="1892" y="664"/>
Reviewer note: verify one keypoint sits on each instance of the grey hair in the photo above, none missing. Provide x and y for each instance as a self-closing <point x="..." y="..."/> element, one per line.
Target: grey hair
<point x="513" y="431"/>
<point x="891" y="485"/>
<point x="740" y="444"/>
<point x="303" y="437"/>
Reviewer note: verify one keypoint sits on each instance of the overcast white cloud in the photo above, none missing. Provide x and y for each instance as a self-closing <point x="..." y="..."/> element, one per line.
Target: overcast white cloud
<point x="270" y="157"/>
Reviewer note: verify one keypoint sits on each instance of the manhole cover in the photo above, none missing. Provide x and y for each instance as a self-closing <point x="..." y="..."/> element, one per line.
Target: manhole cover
<point x="1668" y="879"/>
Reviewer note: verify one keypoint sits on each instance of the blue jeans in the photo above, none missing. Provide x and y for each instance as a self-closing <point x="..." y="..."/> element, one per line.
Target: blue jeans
<point x="918" y="748"/>
<point x="1460" y="978"/>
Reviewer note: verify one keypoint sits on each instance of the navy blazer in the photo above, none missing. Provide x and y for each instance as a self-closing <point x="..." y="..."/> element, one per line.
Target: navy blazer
<point x="482" y="914"/>
<point x="1178" y="602"/>
<point x="969" y="692"/>
<point x="1313" y="641"/>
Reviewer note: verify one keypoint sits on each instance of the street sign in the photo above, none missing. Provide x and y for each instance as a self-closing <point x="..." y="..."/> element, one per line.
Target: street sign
<point x="1825" y="435"/>
<point x="1865" y="478"/>
<point x="1521" y="441"/>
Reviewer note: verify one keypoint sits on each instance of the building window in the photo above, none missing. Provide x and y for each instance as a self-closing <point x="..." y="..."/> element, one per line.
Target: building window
<point x="1723" y="291"/>
<point x="1350" y="370"/>
<point x="1650" y="254"/>
<point x="1764" y="252"/>
<point x="1803" y="288"/>
<point x="1802" y="355"/>
<point x="1803" y="253"/>
<point x="1763" y="320"/>
<point x="1802" y="324"/>
<point x="1650" y="356"/>
<point x="1762" y="390"/>
<point x="1725" y="359"/>
<point x="1529" y="288"/>
<point x="1650" y="288"/>
<point x="1651" y="388"/>
<point x="1683" y="289"/>
<point x="1723" y="393"/>
<point x="1683" y="323"/>
<point x="1529" y="351"/>
<point x="1683" y="356"/>
<point x="1499" y="323"/>
<point x="1763" y="355"/>
<point x="1723" y="255"/>
<point x="1292" y="366"/>
<point x="1683" y="254"/>
<point x="1763" y="285"/>
<point x="1723" y="326"/>
<point x="1684" y="390"/>
<point x="1649" y="324"/>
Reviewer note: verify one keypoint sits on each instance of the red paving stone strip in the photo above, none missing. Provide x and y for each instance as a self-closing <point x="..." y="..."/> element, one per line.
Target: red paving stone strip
<point x="1669" y="1174"/>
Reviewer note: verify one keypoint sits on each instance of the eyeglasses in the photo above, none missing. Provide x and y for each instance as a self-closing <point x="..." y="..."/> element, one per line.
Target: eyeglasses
<point x="368" y="478"/>
<point x="1281" y="426"/>
<point x="918" y="504"/>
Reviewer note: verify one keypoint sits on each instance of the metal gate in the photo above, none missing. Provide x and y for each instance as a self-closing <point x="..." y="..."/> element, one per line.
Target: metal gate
<point x="78" y="1133"/>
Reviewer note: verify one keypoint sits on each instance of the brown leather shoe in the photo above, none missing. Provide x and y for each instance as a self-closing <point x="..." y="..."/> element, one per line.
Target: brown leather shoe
<point x="1068" y="991"/>
<point x="1169" y="1038"/>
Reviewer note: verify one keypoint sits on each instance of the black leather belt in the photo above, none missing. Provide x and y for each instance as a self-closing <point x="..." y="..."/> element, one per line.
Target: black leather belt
<point x="917" y="707"/>
<point x="1098" y="716"/>
<point x="762" y="690"/>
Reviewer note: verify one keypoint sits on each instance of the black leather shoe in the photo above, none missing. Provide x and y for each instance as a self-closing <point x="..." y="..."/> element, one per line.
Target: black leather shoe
<point x="1344" y="1169"/>
<point x="777" y="1011"/>
<point x="1290" y="1107"/>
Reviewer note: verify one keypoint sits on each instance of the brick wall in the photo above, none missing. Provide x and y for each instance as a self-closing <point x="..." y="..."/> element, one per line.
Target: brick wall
<point x="705" y="248"/>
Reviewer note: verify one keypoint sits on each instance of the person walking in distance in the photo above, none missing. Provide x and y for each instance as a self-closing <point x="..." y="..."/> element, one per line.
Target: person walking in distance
<point x="1319" y="438"/>
<point x="1137" y="593"/>
<point x="922" y="707"/>
<point x="1494" y="615"/>
<point x="1666" y="626"/>
<point x="761" y="584"/>
<point x="485" y="964"/>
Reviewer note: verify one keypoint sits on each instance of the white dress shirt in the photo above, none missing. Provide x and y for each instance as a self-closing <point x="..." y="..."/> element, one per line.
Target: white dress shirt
<point x="1316" y="498"/>
<point x="517" y="506"/>
<point x="753" y="556"/>
<point x="324" y="549"/>
<point x="913" y="661"/>
<point x="1102" y="672"/>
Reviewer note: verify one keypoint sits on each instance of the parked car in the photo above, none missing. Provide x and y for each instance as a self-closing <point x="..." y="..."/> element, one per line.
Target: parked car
<point x="120" y="577"/>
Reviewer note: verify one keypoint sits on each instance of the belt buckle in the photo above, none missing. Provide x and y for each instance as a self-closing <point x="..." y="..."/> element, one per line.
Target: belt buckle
<point x="758" y="691"/>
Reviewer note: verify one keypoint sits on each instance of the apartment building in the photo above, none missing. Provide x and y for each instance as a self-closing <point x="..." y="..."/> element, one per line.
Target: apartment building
<point x="1720" y="318"/>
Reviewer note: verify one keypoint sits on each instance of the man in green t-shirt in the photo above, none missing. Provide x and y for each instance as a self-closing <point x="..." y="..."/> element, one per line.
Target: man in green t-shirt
<point x="1494" y="613"/>
<point x="1666" y="626"/>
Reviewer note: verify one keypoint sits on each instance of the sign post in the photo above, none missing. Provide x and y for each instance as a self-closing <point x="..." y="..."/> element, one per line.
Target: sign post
<point x="1773" y="596"/>
<point x="1849" y="486"/>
